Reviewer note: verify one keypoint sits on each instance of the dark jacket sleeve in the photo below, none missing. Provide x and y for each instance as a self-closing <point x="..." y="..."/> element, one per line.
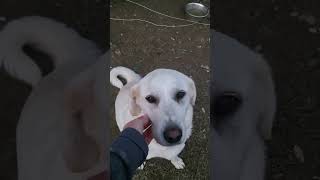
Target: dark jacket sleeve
<point x="127" y="153"/>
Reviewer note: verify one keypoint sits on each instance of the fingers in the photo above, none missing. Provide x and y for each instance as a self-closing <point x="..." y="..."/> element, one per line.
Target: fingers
<point x="148" y="135"/>
<point x="147" y="127"/>
<point x="146" y="121"/>
<point x="143" y="125"/>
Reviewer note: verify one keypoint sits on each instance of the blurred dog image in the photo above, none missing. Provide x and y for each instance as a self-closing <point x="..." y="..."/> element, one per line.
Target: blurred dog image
<point x="167" y="97"/>
<point x="243" y="104"/>
<point x="61" y="133"/>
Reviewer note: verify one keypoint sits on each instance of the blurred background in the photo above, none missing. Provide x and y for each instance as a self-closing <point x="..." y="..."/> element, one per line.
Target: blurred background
<point x="89" y="18"/>
<point x="287" y="34"/>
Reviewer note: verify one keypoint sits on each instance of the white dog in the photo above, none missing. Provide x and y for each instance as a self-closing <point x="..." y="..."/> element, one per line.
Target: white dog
<point x="61" y="133"/>
<point x="243" y="105"/>
<point x="167" y="97"/>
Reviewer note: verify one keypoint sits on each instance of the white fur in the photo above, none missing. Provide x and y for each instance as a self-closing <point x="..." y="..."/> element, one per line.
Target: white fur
<point x="238" y="152"/>
<point x="127" y="74"/>
<point x="162" y="83"/>
<point x="47" y="125"/>
<point x="57" y="40"/>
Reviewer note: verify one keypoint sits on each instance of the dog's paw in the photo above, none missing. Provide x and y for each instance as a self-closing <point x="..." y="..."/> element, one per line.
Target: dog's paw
<point x="142" y="166"/>
<point x="178" y="163"/>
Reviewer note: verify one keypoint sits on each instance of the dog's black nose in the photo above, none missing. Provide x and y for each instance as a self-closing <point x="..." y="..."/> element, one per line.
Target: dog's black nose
<point x="172" y="134"/>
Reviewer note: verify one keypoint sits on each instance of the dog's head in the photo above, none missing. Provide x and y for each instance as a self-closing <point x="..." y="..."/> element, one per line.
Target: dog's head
<point x="167" y="97"/>
<point x="242" y="89"/>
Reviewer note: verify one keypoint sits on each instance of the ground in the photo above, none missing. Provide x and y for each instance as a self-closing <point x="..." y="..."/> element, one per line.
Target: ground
<point x="143" y="48"/>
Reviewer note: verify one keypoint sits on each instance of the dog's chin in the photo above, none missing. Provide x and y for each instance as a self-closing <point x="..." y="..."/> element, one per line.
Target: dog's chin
<point x="160" y="140"/>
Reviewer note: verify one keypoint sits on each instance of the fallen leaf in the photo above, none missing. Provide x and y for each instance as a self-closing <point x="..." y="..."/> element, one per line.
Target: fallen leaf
<point x="298" y="153"/>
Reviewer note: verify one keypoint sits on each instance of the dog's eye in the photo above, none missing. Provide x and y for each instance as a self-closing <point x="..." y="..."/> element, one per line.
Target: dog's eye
<point x="151" y="99"/>
<point x="226" y="104"/>
<point x="180" y="95"/>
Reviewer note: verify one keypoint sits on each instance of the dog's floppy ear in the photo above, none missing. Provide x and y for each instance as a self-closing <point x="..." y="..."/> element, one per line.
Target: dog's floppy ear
<point x="134" y="108"/>
<point x="268" y="96"/>
<point x="80" y="150"/>
<point x="193" y="91"/>
<point x="267" y="117"/>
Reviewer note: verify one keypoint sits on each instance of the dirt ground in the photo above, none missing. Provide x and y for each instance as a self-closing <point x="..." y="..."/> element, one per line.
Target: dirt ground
<point x="287" y="33"/>
<point x="143" y="48"/>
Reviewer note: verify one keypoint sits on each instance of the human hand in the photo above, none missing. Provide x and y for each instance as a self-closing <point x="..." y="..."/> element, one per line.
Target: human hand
<point x="143" y="125"/>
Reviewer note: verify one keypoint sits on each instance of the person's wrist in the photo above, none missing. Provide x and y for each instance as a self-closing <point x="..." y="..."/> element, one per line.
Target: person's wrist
<point x="137" y="130"/>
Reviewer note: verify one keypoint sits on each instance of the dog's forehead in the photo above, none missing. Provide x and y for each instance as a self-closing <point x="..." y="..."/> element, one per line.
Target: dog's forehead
<point x="168" y="75"/>
<point x="165" y="79"/>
